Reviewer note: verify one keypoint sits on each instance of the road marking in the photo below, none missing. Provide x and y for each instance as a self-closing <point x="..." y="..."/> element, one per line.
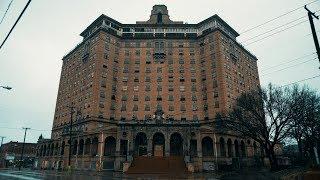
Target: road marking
<point x="18" y="176"/>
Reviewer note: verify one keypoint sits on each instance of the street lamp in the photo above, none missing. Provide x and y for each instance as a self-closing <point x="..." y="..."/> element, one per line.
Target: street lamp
<point x="6" y="87"/>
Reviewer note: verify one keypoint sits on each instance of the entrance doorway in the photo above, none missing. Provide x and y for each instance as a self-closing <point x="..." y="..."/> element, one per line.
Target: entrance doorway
<point x="140" y="144"/>
<point x="176" y="148"/>
<point x="158" y="145"/>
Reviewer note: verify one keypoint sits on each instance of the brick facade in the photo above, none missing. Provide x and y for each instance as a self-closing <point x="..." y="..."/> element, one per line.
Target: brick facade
<point x="130" y="80"/>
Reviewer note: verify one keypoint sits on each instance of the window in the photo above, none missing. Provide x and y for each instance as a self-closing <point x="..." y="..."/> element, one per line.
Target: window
<point x="171" y="108"/>
<point x="147" y="98"/>
<point x="147" y="78"/>
<point x="159" y="79"/>
<point x="170" y="79"/>
<point x="136" y="69"/>
<point x="123" y="107"/>
<point x="103" y="83"/>
<point x="125" y="69"/>
<point x="148" y="70"/>
<point x="182" y="98"/>
<point x="135" y="107"/>
<point x="135" y="98"/>
<point x="194" y="107"/>
<point x="171" y="97"/>
<point x="216" y="104"/>
<point x="148" y="88"/>
<point x="216" y="94"/>
<point x="182" y="107"/>
<point x="193" y="88"/>
<point x="126" y="61"/>
<point x="159" y="70"/>
<point x="124" y="97"/>
<point x="182" y="88"/>
<point x="101" y="105"/>
<point x="159" y="98"/>
<point x="195" y="118"/>
<point x="170" y="87"/>
<point x="125" y="79"/>
<point x="147" y="107"/>
<point x="159" y="47"/>
<point x="136" y="88"/>
<point x="194" y="97"/>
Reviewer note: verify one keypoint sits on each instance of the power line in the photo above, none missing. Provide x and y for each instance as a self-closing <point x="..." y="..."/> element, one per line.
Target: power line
<point x="301" y="80"/>
<point x="286" y="62"/>
<point x="277" y="32"/>
<point x="289" y="66"/>
<point x="273" y="29"/>
<point x="14" y="25"/>
<point x="6" y="11"/>
<point x="20" y="128"/>
<point x="273" y="19"/>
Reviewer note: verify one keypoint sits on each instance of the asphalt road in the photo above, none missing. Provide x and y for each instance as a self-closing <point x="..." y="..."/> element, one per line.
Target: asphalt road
<point x="10" y="174"/>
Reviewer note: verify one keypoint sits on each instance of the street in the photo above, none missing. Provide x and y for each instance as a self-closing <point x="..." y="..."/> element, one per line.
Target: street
<point x="27" y="174"/>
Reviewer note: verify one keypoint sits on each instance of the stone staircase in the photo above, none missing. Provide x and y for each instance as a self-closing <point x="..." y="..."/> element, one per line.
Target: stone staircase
<point x="158" y="165"/>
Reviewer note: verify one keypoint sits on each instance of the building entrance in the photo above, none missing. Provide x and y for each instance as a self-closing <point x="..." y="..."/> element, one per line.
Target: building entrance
<point x="141" y="144"/>
<point x="158" y="146"/>
<point x="176" y="143"/>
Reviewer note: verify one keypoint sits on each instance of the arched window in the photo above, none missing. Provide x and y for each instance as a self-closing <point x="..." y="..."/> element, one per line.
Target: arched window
<point x="222" y="147"/>
<point x="159" y="18"/>
<point x="40" y="151"/>
<point x="94" y="148"/>
<point x="109" y="146"/>
<point x="62" y="148"/>
<point x="81" y="144"/>
<point x="207" y="146"/>
<point x="56" y="149"/>
<point x="255" y="153"/>
<point x="51" y="149"/>
<point x="229" y="144"/>
<point x="44" y="152"/>
<point x="243" y="149"/>
<point x="236" y="148"/>
<point x="140" y="144"/>
<point x="74" y="147"/>
<point x="87" y="146"/>
<point x="176" y="144"/>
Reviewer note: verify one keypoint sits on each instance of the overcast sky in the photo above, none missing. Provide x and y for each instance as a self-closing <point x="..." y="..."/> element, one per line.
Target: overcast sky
<point x="30" y="61"/>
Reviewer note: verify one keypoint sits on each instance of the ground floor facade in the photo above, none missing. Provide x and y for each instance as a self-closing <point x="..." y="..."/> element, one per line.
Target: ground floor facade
<point x="114" y="146"/>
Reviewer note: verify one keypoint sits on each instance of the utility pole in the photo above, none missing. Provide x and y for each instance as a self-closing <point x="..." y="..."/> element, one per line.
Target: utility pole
<point x="314" y="34"/>
<point x="70" y="134"/>
<point x="24" y="140"/>
<point x="2" y="137"/>
<point x="316" y="43"/>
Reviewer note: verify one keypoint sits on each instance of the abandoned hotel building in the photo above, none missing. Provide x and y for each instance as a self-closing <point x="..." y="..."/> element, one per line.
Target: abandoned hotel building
<point x="150" y="89"/>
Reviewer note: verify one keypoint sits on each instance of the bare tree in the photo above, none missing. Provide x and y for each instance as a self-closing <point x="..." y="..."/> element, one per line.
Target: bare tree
<point x="305" y="120"/>
<point x="263" y="115"/>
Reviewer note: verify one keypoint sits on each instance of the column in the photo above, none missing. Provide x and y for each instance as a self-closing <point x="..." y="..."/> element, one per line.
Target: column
<point x="117" y="161"/>
<point x="167" y="145"/>
<point x="149" y="147"/>
<point x="199" y="146"/>
<point x="100" y="151"/>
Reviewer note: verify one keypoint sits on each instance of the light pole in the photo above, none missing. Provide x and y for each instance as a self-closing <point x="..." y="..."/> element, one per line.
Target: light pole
<point x="2" y="137"/>
<point x="24" y="140"/>
<point x="6" y="87"/>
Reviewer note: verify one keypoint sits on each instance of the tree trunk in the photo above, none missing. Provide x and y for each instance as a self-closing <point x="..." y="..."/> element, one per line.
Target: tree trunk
<point x="272" y="158"/>
<point x="300" y="156"/>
